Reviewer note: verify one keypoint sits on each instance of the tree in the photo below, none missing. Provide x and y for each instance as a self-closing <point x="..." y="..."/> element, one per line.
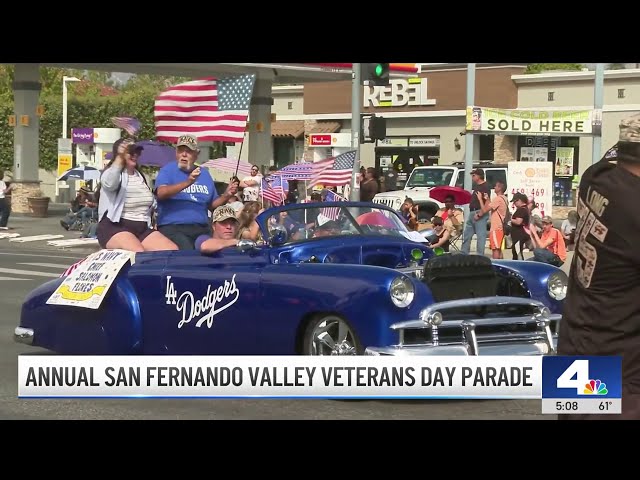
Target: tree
<point x="151" y="83"/>
<point x="544" y="67"/>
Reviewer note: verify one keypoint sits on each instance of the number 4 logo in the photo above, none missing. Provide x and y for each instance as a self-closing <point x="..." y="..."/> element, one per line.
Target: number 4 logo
<point x="578" y="369"/>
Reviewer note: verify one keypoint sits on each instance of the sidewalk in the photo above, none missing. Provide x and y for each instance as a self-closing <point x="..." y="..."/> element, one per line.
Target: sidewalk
<point x="28" y="226"/>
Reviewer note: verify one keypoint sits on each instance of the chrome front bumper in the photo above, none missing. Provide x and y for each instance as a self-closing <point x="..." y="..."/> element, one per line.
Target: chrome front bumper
<point x="488" y="335"/>
<point x="23" y="335"/>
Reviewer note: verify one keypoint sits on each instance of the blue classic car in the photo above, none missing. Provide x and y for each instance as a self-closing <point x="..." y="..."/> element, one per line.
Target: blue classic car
<point x="340" y="278"/>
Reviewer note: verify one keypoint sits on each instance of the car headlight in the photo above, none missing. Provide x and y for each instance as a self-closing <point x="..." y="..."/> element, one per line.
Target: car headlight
<point x="557" y="285"/>
<point x="402" y="292"/>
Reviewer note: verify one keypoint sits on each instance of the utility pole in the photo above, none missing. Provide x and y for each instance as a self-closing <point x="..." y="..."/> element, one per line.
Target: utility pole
<point x="598" y="101"/>
<point x="468" y="148"/>
<point x="356" y="102"/>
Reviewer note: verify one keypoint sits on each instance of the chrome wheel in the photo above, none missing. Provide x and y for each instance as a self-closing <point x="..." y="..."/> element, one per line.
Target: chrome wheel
<point x="331" y="336"/>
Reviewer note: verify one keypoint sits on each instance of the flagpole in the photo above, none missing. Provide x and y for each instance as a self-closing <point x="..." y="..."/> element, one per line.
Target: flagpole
<point x="356" y="102"/>
<point x="240" y="154"/>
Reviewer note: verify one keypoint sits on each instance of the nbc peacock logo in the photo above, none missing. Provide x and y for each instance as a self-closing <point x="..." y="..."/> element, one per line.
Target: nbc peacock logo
<point x="595" y="387"/>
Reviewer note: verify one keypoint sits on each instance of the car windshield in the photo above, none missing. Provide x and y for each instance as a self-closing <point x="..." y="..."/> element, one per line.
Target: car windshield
<point x="430" y="177"/>
<point x="312" y="221"/>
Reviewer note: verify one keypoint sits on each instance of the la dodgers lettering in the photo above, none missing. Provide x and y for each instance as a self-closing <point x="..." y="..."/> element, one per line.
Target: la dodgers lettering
<point x="204" y="309"/>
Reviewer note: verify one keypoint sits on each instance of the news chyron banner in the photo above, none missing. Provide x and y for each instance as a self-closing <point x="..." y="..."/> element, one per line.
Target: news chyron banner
<point x="564" y="384"/>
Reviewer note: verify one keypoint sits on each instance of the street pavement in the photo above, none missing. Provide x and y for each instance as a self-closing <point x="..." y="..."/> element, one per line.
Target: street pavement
<point x="24" y="266"/>
<point x="26" y="226"/>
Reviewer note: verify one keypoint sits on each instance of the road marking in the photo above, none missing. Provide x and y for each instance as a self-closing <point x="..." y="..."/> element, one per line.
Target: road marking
<point x="35" y="238"/>
<point x="29" y="272"/>
<point x="13" y="278"/>
<point x="38" y="255"/>
<point x="52" y="265"/>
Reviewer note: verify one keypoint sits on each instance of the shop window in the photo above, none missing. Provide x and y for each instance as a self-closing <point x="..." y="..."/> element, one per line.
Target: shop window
<point x="621" y="93"/>
<point x="289" y="105"/>
<point x="487" y="147"/>
<point x="550" y="96"/>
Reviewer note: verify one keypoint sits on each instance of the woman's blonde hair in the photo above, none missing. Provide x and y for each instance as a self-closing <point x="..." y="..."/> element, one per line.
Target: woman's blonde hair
<point x="249" y="213"/>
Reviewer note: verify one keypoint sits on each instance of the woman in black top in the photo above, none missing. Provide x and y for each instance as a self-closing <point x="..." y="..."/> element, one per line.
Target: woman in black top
<point x="519" y="225"/>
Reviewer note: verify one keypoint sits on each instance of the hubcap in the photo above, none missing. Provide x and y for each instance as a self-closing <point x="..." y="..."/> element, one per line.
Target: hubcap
<point x="333" y="336"/>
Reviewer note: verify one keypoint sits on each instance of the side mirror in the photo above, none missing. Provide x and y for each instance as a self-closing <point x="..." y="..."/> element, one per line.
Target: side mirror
<point x="245" y="245"/>
<point x="279" y="235"/>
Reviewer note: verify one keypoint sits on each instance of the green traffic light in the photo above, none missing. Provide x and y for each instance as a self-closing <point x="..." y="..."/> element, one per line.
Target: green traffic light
<point x="379" y="70"/>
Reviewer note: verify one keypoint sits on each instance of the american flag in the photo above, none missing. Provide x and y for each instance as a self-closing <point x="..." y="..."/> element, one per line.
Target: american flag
<point x="230" y="165"/>
<point x="332" y="213"/>
<point x="334" y="171"/>
<point x="275" y="189"/>
<point x="212" y="110"/>
<point x="128" y="124"/>
<point x="296" y="171"/>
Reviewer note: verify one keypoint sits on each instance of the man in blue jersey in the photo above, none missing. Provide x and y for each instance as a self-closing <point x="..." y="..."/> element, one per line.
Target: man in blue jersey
<point x="185" y="194"/>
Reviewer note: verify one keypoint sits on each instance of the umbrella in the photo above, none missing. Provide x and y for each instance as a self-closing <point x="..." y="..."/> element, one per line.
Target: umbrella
<point x="296" y="171"/>
<point x="155" y="154"/>
<point x="460" y="195"/>
<point x="82" y="172"/>
<point x="229" y="165"/>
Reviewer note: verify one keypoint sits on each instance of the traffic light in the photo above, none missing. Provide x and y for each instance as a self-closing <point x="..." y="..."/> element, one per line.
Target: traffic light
<point x="376" y="73"/>
<point x="373" y="128"/>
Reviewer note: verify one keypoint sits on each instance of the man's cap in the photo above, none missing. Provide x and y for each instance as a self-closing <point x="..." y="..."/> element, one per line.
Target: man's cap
<point x="223" y="213"/>
<point x="628" y="146"/>
<point x="547" y="219"/>
<point x="519" y="196"/>
<point x="630" y="129"/>
<point x="188" y="141"/>
<point x="478" y="171"/>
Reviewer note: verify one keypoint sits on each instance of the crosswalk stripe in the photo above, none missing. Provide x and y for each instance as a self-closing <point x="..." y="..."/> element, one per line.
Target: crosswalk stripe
<point x="12" y="278"/>
<point x="29" y="272"/>
<point x="51" y="265"/>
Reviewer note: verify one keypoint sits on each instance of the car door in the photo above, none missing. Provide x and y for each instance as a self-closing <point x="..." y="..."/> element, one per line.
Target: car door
<point x="209" y="304"/>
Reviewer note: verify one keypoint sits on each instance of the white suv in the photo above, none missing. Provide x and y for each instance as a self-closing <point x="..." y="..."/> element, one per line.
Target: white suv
<point x="423" y="179"/>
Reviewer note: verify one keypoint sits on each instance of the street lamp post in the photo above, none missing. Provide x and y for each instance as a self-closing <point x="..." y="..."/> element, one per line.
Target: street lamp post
<point x="65" y="79"/>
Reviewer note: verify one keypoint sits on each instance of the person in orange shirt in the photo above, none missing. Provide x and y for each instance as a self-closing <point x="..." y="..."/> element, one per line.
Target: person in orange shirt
<point x="549" y="247"/>
<point x="498" y="208"/>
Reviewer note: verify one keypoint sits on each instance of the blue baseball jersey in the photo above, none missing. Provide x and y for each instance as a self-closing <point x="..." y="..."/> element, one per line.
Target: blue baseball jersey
<point x="189" y="206"/>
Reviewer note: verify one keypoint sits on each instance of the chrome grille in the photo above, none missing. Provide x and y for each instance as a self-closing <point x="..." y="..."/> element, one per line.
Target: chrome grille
<point x="501" y="325"/>
<point x="389" y="202"/>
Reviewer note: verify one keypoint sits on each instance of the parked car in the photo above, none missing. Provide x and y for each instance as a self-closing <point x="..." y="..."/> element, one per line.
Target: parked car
<point x="423" y="179"/>
<point x="334" y="278"/>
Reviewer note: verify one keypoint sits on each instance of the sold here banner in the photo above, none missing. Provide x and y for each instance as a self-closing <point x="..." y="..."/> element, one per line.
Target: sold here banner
<point x="531" y="122"/>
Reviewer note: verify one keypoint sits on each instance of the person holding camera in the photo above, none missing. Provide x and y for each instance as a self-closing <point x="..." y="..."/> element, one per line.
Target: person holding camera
<point x="498" y="207"/>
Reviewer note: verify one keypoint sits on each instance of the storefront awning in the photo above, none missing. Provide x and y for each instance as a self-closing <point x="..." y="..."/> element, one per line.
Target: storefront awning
<point x="287" y="128"/>
<point x="325" y="127"/>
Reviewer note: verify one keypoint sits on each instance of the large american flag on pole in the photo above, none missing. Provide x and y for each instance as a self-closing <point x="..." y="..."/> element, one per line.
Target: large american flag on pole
<point x="334" y="171"/>
<point x="214" y="110"/>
